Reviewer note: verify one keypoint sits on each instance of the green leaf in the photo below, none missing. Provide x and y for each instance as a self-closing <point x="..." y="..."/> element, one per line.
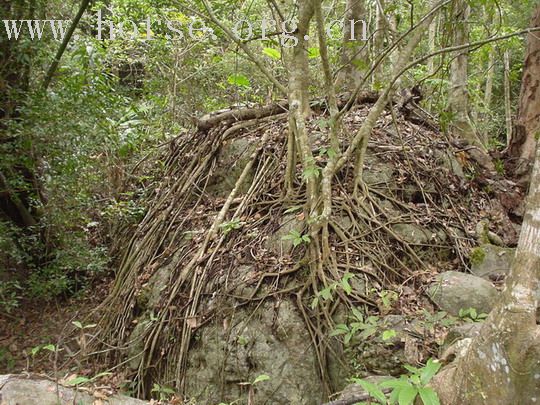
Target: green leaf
<point x="331" y="153"/>
<point x="428" y="396"/>
<point x="357" y="314"/>
<point x="167" y="390"/>
<point x="262" y="377"/>
<point x="346" y="286"/>
<point x="389" y="334"/>
<point x="411" y="369"/>
<point x="51" y="348"/>
<point x="77" y="324"/>
<point x="313" y="53"/>
<point x="293" y="209"/>
<point x="292" y="235"/>
<point x="372" y="390"/>
<point x="273" y="53"/>
<point x="395" y="384"/>
<point x="314" y="303"/>
<point x="77" y="381"/>
<point x="407" y="395"/>
<point x="340" y="329"/>
<point x="239" y="80"/>
<point x="326" y="294"/>
<point x="429" y="371"/>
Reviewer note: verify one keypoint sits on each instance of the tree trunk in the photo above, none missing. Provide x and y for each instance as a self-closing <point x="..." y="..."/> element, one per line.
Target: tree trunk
<point x="507" y="100"/>
<point x="353" y="53"/>
<point x="502" y="364"/>
<point x="299" y="69"/>
<point x="490" y="76"/>
<point x="528" y="118"/>
<point x="432" y="35"/>
<point x="458" y="96"/>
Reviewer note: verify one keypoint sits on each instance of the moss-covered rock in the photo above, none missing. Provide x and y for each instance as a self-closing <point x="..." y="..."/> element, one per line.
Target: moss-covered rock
<point x="491" y="262"/>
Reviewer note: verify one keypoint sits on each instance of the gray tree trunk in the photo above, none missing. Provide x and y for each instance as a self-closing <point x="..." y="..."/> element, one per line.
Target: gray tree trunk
<point x="354" y="51"/>
<point x="502" y="364"/>
<point x="458" y="96"/>
<point x="528" y="118"/>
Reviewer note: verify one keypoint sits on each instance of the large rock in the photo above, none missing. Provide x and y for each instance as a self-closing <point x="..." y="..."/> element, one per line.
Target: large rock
<point x="243" y="345"/>
<point x="232" y="160"/>
<point x="491" y="262"/>
<point x="277" y="242"/>
<point x="453" y="291"/>
<point x="21" y="390"/>
<point x="412" y="233"/>
<point x="377" y="173"/>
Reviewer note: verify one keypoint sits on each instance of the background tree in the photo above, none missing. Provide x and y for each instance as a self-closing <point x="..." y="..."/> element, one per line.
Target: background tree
<point x="502" y="363"/>
<point x="527" y="125"/>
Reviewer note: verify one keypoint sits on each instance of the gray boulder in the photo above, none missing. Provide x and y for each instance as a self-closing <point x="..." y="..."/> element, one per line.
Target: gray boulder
<point x="412" y="233"/>
<point x="453" y="291"/>
<point x="231" y="353"/>
<point x="491" y="262"/>
<point x="24" y="390"/>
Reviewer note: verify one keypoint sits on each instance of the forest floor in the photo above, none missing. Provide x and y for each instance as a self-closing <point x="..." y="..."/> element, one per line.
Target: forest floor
<point x="34" y="325"/>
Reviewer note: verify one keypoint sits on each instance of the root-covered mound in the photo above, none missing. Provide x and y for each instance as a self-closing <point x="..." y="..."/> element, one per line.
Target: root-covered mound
<point x="214" y="288"/>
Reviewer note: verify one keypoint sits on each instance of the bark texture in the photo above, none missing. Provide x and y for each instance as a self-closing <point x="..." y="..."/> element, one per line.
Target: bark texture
<point x="354" y="51"/>
<point x="528" y="119"/>
<point x="502" y="364"/>
<point x="458" y="96"/>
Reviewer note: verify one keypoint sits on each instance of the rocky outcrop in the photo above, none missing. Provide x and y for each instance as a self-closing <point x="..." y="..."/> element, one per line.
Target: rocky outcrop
<point x="24" y="390"/>
<point x="230" y="354"/>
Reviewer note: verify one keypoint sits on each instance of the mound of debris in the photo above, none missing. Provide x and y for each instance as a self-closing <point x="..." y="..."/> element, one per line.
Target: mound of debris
<point x="213" y="298"/>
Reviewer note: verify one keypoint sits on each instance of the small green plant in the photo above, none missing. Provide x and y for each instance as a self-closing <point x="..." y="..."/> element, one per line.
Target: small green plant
<point x="49" y="347"/>
<point x="227" y="227"/>
<point x="326" y="293"/>
<point x="440" y="318"/>
<point x="499" y="167"/>
<point x="10" y="295"/>
<point x="163" y="392"/>
<point x="361" y="326"/>
<point x="297" y="238"/>
<point x="406" y="389"/>
<point x="388" y="299"/>
<point x="261" y="378"/>
<point x="242" y="340"/>
<point x="388" y="334"/>
<point x="331" y="153"/>
<point x="471" y="315"/>
<point x="81" y="380"/>
<point x="311" y="171"/>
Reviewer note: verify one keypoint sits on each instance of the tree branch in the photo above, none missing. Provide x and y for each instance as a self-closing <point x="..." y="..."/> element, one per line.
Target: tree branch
<point x="63" y="46"/>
